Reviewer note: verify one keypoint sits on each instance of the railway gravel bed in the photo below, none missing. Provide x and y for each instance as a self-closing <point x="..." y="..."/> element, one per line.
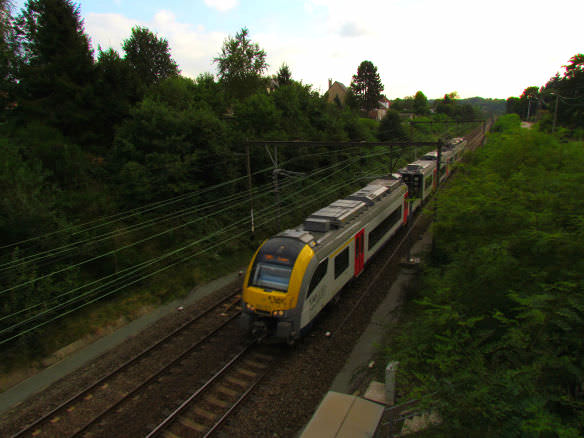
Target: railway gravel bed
<point x="279" y="406"/>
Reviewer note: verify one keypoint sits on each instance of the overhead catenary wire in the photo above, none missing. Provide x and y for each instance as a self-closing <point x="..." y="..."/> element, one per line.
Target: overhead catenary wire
<point x="147" y="263"/>
<point x="124" y="215"/>
<point x="55" y="251"/>
<point x="70" y="267"/>
<point x="371" y="155"/>
<point x="134" y="281"/>
<point x="59" y="253"/>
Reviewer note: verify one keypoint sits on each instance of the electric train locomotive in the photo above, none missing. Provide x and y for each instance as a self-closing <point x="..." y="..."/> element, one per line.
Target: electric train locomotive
<point x="295" y="274"/>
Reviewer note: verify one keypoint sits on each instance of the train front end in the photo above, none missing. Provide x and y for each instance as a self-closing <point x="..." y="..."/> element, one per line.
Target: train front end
<point x="272" y="286"/>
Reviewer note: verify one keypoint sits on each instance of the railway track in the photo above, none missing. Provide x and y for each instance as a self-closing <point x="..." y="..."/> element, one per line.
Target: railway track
<point x="206" y="409"/>
<point x="84" y="411"/>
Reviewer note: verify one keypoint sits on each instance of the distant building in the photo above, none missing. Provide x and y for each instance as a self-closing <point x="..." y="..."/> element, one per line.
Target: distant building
<point x="337" y="92"/>
<point x="381" y="110"/>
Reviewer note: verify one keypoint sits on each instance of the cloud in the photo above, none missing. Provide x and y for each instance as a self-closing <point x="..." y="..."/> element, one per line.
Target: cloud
<point x="222" y="5"/>
<point x="352" y="29"/>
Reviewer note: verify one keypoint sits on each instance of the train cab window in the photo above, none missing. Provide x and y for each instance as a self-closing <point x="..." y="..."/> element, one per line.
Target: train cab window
<point x="272" y="277"/>
<point x="341" y="262"/>
<point x="274" y="262"/>
<point x="318" y="276"/>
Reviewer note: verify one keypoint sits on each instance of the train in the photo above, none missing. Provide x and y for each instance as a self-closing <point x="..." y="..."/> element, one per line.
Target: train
<point x="293" y="275"/>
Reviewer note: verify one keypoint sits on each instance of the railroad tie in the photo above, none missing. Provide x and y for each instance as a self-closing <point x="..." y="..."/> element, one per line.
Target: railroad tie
<point x="205" y="414"/>
<point x="237" y="382"/>
<point x="265" y="357"/>
<point x="217" y="402"/>
<point x="226" y="391"/>
<point x="190" y="424"/>
<point x="246" y="372"/>
<point x="254" y="364"/>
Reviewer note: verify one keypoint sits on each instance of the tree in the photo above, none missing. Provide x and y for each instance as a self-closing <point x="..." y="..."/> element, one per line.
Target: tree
<point x="115" y="92"/>
<point x="57" y="66"/>
<point x="7" y="55"/>
<point x="284" y="76"/>
<point x="564" y="94"/>
<point x="390" y="127"/>
<point x="367" y="86"/>
<point x="149" y="57"/>
<point x="241" y="64"/>
<point x="420" y="104"/>
<point x="528" y="102"/>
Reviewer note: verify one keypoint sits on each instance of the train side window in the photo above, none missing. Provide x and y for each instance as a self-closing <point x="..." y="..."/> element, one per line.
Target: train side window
<point x="381" y="230"/>
<point x="428" y="182"/>
<point x="341" y="262"/>
<point x="318" y="276"/>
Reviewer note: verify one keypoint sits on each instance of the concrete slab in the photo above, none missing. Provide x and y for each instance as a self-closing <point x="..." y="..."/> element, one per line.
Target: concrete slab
<point x="362" y="420"/>
<point x="343" y="416"/>
<point x="376" y="392"/>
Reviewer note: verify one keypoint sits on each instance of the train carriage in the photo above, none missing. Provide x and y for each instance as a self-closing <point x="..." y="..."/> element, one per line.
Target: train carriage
<point x="456" y="146"/>
<point x="296" y="273"/>
<point x="446" y="161"/>
<point x="420" y="177"/>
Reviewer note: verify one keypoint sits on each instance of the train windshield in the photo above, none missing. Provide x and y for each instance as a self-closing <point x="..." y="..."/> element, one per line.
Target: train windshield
<point x="273" y="264"/>
<point x="273" y="277"/>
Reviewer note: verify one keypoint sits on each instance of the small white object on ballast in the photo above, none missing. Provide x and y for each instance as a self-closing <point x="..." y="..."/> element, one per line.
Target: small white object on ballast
<point x="180" y="308"/>
<point x="328" y="334"/>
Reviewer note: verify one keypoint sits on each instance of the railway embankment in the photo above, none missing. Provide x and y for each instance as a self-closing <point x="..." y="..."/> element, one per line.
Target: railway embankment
<point x="488" y="339"/>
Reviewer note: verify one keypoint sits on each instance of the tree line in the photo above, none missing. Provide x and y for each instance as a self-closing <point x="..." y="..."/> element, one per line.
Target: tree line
<point x="558" y="103"/>
<point x="489" y="340"/>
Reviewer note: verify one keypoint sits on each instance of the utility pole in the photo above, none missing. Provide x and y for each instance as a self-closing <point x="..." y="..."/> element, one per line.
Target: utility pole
<point x="249" y="187"/>
<point x="275" y="174"/>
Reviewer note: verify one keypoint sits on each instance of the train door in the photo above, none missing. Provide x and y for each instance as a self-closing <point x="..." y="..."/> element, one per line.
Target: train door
<point x="359" y="253"/>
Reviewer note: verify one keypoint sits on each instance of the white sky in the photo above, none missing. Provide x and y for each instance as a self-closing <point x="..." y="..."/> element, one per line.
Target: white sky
<point x="488" y="49"/>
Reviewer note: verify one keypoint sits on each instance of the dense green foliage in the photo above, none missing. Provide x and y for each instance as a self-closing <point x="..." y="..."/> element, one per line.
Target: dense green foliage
<point x="491" y="341"/>
<point x="391" y="128"/>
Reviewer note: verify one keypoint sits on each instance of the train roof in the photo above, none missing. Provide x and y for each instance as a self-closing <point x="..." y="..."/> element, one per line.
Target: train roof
<point x="333" y="221"/>
<point x="420" y="166"/>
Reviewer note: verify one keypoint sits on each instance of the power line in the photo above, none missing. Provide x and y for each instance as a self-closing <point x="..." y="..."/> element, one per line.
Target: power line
<point x="60" y="306"/>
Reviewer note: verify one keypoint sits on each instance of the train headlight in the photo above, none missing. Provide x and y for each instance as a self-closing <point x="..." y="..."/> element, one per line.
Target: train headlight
<point x="278" y="313"/>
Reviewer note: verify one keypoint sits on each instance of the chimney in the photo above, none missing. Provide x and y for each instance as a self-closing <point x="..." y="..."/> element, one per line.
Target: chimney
<point x="330" y="82"/>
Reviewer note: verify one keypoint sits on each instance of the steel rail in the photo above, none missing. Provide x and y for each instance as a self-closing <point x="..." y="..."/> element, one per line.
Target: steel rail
<point x="154" y="376"/>
<point x="121" y="368"/>
<point x="202" y="388"/>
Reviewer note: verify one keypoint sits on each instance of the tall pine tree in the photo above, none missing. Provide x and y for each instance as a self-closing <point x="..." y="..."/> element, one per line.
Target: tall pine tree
<point x="7" y="58"/>
<point x="367" y="86"/>
<point x="57" y="66"/>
